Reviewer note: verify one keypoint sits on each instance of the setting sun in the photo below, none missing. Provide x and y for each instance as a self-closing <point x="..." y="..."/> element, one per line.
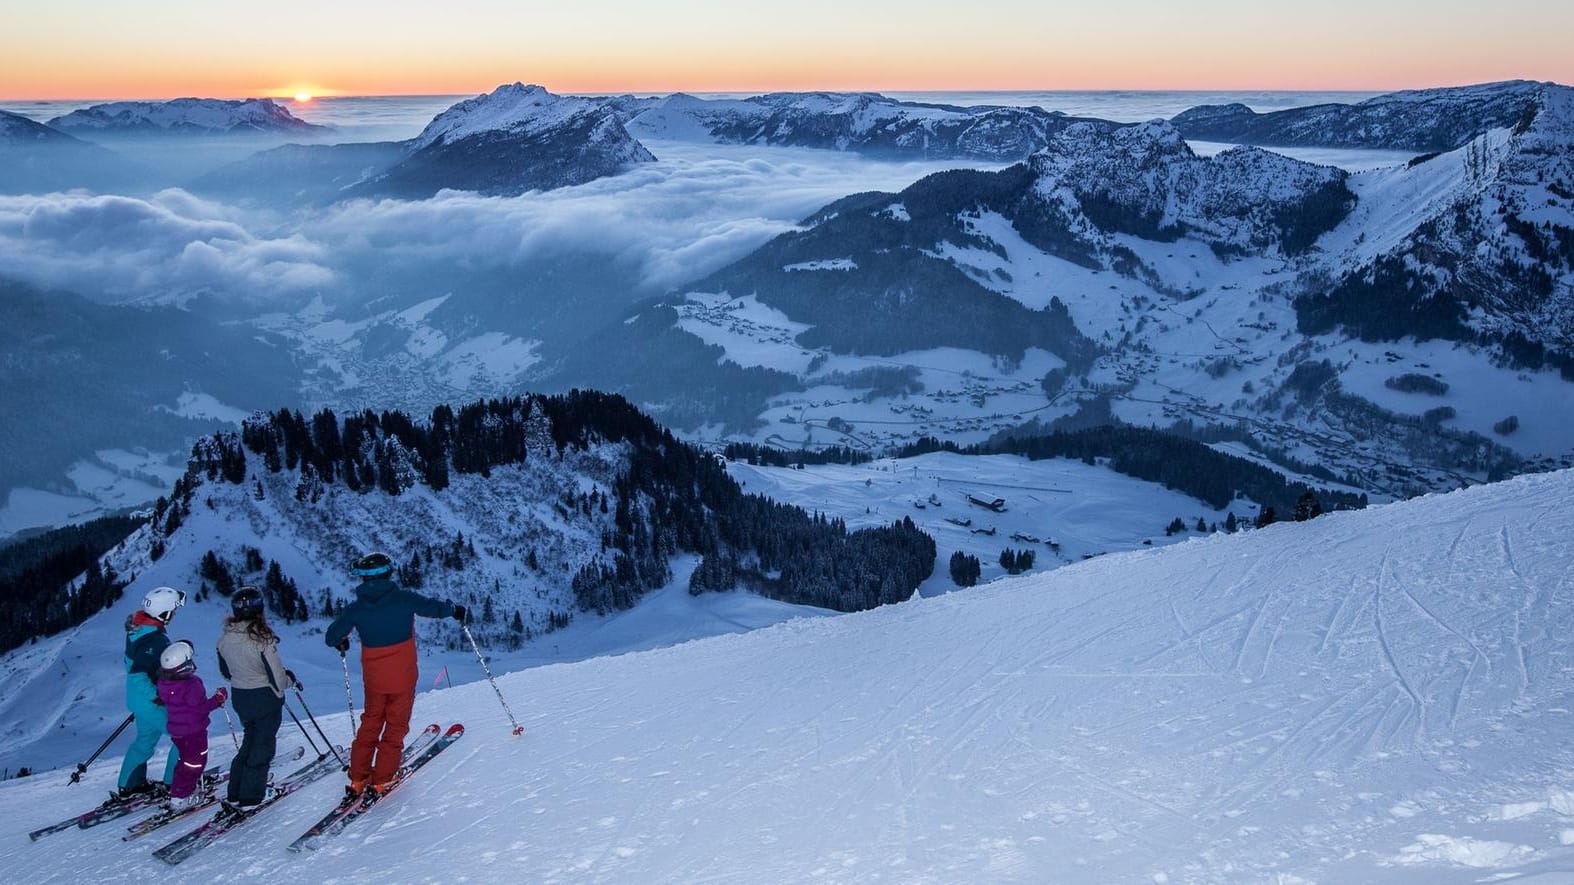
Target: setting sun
<point x="303" y="97"/>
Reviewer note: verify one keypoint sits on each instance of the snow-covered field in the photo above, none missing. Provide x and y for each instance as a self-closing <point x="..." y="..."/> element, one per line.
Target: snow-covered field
<point x="1377" y="696"/>
<point x="112" y="479"/>
<point x="1083" y="510"/>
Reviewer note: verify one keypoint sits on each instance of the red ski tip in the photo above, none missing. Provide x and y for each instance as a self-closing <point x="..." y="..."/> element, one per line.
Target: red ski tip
<point x="455" y="729"/>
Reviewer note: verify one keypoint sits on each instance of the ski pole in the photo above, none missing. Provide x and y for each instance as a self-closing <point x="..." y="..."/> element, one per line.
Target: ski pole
<point x="518" y="729"/>
<point x="233" y="739"/>
<point x="349" y="698"/>
<point x="82" y="766"/>
<point x="304" y="733"/>
<point x="302" y="698"/>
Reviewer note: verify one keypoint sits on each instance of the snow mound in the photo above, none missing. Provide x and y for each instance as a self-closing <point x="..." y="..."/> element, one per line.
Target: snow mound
<point x="1476" y="853"/>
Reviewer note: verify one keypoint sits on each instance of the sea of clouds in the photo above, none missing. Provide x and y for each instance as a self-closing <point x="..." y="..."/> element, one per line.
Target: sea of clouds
<point x="696" y="209"/>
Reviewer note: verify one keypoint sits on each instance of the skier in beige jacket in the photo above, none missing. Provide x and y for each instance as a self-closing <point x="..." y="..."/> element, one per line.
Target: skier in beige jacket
<point x="249" y="659"/>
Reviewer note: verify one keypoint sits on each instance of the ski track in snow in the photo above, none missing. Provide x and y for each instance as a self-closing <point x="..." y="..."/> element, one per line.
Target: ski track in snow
<point x="1381" y="696"/>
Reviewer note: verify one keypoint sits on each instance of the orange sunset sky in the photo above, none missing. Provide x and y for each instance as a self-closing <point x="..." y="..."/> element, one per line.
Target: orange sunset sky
<point x="166" y="48"/>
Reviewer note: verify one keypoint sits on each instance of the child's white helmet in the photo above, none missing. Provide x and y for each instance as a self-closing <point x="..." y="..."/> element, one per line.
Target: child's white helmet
<point x="179" y="657"/>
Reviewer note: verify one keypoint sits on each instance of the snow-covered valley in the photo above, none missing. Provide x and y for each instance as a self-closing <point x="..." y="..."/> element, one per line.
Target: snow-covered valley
<point x="1377" y="696"/>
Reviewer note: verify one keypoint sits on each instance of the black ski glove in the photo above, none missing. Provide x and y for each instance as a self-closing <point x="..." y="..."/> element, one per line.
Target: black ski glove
<point x="290" y="675"/>
<point x="344" y="645"/>
<point x="460" y="613"/>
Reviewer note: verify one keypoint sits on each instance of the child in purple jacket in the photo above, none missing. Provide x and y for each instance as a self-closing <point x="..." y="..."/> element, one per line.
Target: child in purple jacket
<point x="187" y="705"/>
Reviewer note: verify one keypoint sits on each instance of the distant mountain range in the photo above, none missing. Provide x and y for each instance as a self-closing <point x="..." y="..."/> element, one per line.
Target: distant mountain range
<point x="519" y="138"/>
<point x="1417" y="120"/>
<point x="861" y="122"/>
<point x="186" y="117"/>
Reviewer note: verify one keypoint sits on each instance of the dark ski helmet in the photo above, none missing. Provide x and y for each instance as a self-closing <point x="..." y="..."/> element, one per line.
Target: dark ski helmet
<point x="373" y="565"/>
<point x="247" y="602"/>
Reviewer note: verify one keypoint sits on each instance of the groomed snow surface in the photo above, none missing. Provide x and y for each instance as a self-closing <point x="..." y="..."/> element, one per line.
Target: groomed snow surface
<point x="1369" y="697"/>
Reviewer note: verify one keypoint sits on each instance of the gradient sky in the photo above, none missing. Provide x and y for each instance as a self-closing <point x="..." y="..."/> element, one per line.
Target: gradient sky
<point x="234" y="48"/>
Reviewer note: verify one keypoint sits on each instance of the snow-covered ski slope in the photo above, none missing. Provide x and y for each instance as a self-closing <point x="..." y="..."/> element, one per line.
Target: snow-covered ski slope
<point x="1372" y="696"/>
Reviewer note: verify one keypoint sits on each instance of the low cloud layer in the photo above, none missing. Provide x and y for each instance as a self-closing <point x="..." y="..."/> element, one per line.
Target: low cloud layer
<point x="699" y="208"/>
<point x="669" y="222"/>
<point x="168" y="247"/>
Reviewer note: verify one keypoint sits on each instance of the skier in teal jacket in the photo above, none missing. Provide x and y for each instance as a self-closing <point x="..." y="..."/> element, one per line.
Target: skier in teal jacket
<point x="145" y="641"/>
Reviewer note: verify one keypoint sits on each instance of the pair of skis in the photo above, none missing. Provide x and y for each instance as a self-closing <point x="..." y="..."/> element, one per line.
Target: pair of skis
<point x="351" y="807"/>
<point x="426" y="746"/>
<point x="170" y="815"/>
<point x="227" y="819"/>
<point x="114" y="808"/>
<point x="213" y="778"/>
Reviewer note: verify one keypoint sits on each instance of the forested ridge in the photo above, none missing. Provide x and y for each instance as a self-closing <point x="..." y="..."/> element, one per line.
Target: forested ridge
<point x="36" y="576"/>
<point x="671" y="498"/>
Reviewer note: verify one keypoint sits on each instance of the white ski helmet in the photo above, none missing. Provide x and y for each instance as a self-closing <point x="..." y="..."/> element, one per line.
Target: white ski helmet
<point x="177" y="657"/>
<point x="161" y="602"/>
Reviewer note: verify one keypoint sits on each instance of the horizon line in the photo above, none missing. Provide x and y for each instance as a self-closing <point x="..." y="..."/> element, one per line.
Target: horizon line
<point x="329" y="94"/>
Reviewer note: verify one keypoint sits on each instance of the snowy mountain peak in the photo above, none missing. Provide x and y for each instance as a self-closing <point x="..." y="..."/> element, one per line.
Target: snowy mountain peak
<point x="187" y="116"/>
<point x="512" y="108"/>
<point x="514" y="139"/>
<point x="681" y="100"/>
